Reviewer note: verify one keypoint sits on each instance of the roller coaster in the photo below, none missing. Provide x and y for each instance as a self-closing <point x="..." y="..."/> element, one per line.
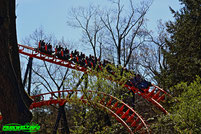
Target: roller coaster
<point x="123" y="113"/>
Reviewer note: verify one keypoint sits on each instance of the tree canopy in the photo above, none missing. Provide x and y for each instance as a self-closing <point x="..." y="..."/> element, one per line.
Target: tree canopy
<point x="183" y="55"/>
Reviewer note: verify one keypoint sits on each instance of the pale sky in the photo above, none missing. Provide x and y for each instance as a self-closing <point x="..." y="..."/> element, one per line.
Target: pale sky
<point x="52" y="16"/>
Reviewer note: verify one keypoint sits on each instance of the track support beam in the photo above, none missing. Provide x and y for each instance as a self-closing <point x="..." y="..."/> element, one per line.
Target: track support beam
<point x="28" y="70"/>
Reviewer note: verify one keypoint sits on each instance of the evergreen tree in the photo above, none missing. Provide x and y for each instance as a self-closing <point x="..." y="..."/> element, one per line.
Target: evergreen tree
<point x="183" y="55"/>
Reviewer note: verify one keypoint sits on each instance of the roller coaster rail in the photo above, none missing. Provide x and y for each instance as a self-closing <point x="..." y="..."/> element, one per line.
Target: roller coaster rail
<point x="155" y="96"/>
<point x="127" y="116"/>
<point x="123" y="113"/>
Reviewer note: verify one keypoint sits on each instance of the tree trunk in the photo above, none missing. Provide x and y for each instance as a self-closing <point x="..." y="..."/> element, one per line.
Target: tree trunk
<point x="119" y="51"/>
<point x="14" y="101"/>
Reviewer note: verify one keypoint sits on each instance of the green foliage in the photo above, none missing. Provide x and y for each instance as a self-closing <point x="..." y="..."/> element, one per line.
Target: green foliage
<point x="183" y="55"/>
<point x="186" y="117"/>
<point x="91" y="118"/>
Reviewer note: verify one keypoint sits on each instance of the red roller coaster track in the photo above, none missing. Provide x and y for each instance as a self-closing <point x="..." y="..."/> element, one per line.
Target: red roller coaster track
<point x="155" y="96"/>
<point x="127" y="116"/>
<point x="121" y="111"/>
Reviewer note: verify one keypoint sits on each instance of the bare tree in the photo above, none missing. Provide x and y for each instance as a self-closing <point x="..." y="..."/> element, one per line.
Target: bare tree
<point x="48" y="76"/>
<point x="125" y="28"/>
<point x="150" y="58"/>
<point x="89" y="22"/>
<point x="37" y="35"/>
<point x="118" y="31"/>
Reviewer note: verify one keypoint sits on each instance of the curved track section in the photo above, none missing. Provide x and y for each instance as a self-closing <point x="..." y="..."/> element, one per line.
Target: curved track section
<point x="123" y="113"/>
<point x="154" y="94"/>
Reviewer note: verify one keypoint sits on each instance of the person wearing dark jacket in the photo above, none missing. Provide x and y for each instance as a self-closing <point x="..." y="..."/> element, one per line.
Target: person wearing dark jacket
<point x="144" y="84"/>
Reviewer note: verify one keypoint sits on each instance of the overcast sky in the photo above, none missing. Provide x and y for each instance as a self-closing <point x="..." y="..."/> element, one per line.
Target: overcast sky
<point x="52" y="15"/>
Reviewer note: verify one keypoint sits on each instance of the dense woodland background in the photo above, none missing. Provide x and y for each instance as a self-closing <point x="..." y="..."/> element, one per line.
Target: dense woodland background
<point x="169" y="58"/>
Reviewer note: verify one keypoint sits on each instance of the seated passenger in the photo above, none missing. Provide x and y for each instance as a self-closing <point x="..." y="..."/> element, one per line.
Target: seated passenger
<point x="136" y="81"/>
<point x="77" y="53"/>
<point x="129" y="83"/>
<point x="80" y="56"/>
<point x="39" y="44"/>
<point x="97" y="64"/>
<point x="72" y="57"/>
<point x="82" y="59"/>
<point x="49" y="48"/>
<point x="88" y="62"/>
<point x="59" y="49"/>
<point x="56" y="50"/>
<point x="95" y="61"/>
<point x="58" y="53"/>
<point x="100" y="65"/>
<point x="66" y="54"/>
<point x="46" y="47"/>
<point x="42" y="48"/>
<point x="74" y="52"/>
<point x="144" y="84"/>
<point x="62" y="53"/>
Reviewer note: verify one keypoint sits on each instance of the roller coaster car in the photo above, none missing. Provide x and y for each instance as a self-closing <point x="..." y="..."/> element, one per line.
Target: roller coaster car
<point x="60" y="54"/>
<point x="140" y="83"/>
<point x="155" y="96"/>
<point x="45" y="48"/>
<point x="91" y="62"/>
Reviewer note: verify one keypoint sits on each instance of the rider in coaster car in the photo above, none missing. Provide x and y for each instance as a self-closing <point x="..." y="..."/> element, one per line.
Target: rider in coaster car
<point x="98" y="64"/>
<point x="77" y="57"/>
<point x="136" y="81"/>
<point x="66" y="54"/>
<point x="129" y="83"/>
<point x="82" y="59"/>
<point x="42" y="46"/>
<point x="49" y="48"/>
<point x="60" y="52"/>
<point x="93" y="61"/>
<point x="56" y="50"/>
<point x="88" y="62"/>
<point x="141" y="83"/>
<point x="73" y="56"/>
<point x="144" y="84"/>
<point x="106" y="64"/>
<point x="45" y="48"/>
<point x="39" y="45"/>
